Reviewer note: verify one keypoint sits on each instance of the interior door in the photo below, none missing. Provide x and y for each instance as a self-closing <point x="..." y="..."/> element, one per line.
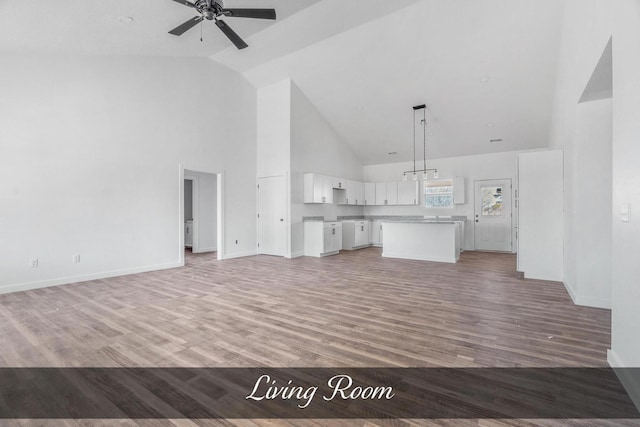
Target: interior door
<point x="272" y="224"/>
<point x="493" y="215"/>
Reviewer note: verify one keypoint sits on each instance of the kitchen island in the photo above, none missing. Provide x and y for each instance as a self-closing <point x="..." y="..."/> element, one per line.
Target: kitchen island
<point x="426" y="240"/>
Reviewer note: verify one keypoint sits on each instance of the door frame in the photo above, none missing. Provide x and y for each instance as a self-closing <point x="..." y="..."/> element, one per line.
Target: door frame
<point x="514" y="240"/>
<point x="220" y="220"/>
<point x="287" y="209"/>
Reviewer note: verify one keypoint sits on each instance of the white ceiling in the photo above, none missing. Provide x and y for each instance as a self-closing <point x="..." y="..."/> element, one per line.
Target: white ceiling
<point x="91" y="26"/>
<point x="383" y="56"/>
<point x="432" y="52"/>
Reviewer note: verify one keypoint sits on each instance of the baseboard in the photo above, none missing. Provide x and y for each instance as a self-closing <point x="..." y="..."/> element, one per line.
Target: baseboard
<point x="85" y="278"/>
<point x="239" y="254"/>
<point x="586" y="301"/>
<point x="450" y="260"/>
<point x="204" y="250"/>
<point x="296" y="255"/>
<point x="570" y="291"/>
<point x="594" y="302"/>
<point x="629" y="377"/>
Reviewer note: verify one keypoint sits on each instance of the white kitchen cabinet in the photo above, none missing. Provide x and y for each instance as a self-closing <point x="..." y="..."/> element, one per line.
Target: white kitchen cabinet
<point x="355" y="234"/>
<point x="381" y="193"/>
<point x="360" y="198"/>
<point x="376" y="233"/>
<point x="350" y="196"/>
<point x="354" y="193"/>
<point x="339" y="183"/>
<point x="458" y="191"/>
<point x="392" y="193"/>
<point x="386" y="193"/>
<point x="318" y="188"/>
<point x="362" y="233"/>
<point x="328" y="240"/>
<point x="322" y="238"/>
<point x="408" y="192"/>
<point x="369" y="193"/>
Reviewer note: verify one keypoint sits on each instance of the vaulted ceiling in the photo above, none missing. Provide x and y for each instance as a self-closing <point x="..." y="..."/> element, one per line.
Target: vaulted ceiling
<point x="92" y="26"/>
<point x="484" y="68"/>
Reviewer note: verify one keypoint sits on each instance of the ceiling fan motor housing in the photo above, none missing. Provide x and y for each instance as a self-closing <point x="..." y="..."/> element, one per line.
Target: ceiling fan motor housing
<point x="209" y="9"/>
<point x="212" y="10"/>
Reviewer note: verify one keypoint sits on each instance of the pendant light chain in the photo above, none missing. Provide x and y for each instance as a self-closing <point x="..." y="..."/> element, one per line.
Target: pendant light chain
<point x="424" y="137"/>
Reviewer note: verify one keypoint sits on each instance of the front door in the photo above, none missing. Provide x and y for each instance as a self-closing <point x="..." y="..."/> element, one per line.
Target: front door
<point x="493" y="215"/>
<point x="272" y="232"/>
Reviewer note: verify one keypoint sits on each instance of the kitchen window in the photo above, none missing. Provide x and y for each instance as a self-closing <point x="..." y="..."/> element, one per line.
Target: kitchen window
<point x="438" y="193"/>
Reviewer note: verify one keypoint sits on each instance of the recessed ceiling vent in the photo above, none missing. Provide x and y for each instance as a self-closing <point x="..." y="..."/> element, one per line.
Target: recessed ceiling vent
<point x="495" y="140"/>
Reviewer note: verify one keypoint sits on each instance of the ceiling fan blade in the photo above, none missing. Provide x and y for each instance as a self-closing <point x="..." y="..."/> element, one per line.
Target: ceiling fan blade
<point x="235" y="39"/>
<point x="182" y="28"/>
<point x="250" y="13"/>
<point x="185" y="2"/>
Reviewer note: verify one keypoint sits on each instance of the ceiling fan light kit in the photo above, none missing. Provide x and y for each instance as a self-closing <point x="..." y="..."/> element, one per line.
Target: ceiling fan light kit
<point x="213" y="10"/>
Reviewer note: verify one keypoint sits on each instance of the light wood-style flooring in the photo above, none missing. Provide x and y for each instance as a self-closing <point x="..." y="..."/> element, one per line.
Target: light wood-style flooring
<point x="352" y="310"/>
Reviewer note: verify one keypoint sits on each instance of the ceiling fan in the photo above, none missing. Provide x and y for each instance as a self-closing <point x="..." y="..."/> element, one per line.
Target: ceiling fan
<point x="214" y="9"/>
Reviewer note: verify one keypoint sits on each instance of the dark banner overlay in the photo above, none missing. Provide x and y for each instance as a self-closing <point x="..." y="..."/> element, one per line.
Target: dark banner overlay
<point x="374" y="393"/>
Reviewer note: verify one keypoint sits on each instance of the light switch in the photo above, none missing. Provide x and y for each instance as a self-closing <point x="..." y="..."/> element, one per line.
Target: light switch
<point x="625" y="213"/>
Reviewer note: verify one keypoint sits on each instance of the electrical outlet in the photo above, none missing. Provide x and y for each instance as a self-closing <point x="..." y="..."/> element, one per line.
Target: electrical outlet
<point x="76" y="259"/>
<point x="33" y="263"/>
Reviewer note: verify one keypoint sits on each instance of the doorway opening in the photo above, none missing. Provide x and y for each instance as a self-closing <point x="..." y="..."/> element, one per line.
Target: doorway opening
<point x="201" y="210"/>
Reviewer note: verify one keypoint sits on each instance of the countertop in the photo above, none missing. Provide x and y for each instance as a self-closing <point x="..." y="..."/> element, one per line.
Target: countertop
<point x="391" y="218"/>
<point x="422" y="221"/>
<point x="318" y="219"/>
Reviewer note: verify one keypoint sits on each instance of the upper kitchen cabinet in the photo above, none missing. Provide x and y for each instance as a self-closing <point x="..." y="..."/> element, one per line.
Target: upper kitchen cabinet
<point x="354" y="193"/>
<point x="369" y="193"/>
<point x="386" y="193"/>
<point x="359" y="192"/>
<point x="408" y="192"/>
<point x="318" y="188"/>
<point x="339" y="183"/>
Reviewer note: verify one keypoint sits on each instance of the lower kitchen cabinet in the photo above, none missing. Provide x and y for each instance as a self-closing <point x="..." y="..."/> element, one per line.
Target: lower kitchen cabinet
<point x="376" y="233"/>
<point x="322" y="238"/>
<point x="355" y="234"/>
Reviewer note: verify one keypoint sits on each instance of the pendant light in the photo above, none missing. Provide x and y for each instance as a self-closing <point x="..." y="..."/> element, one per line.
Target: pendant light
<point x="423" y="122"/>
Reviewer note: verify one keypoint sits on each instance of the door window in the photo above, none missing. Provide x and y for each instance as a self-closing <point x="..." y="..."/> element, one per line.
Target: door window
<point x="492" y="201"/>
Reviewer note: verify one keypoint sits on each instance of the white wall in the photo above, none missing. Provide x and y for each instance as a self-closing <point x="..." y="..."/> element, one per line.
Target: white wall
<point x="625" y="334"/>
<point x="293" y="139"/>
<point x="91" y="148"/>
<point x="540" y="216"/>
<point x="274" y="129"/>
<point x="588" y="188"/>
<point x="317" y="148"/>
<point x="588" y="25"/>
<point x="472" y="168"/>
